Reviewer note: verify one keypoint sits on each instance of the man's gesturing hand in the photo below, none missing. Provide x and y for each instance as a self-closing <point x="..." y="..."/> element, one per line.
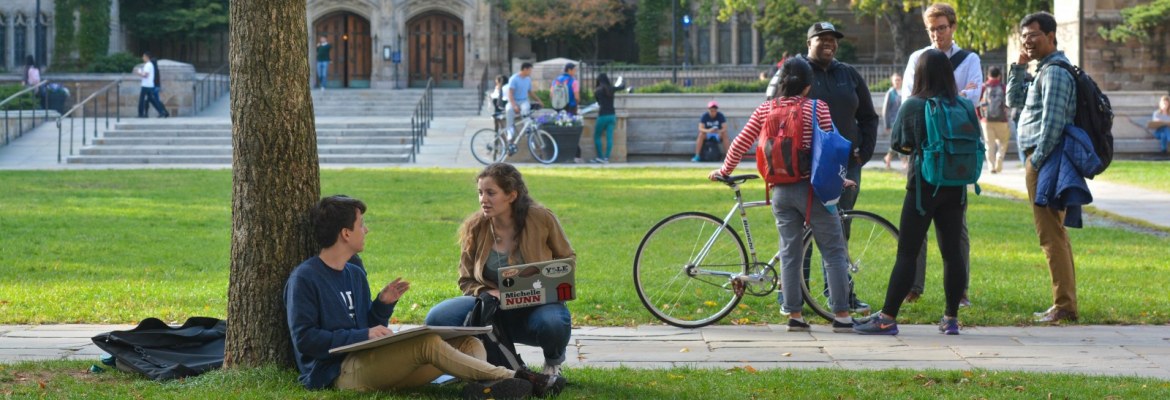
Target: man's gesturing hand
<point x="393" y="291"/>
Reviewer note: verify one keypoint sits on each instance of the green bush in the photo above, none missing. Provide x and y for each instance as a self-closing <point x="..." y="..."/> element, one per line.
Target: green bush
<point x="26" y="102"/>
<point x="586" y="98"/>
<point x="756" y="86"/>
<point x="880" y="86"/>
<point x="117" y="62"/>
<point x="660" y="87"/>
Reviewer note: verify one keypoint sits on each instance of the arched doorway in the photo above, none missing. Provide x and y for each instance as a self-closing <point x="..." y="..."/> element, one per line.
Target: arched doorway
<point x="349" y="34"/>
<point x="435" y="50"/>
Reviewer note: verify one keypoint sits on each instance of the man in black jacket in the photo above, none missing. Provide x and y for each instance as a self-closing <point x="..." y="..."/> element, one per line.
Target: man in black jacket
<point x="845" y="91"/>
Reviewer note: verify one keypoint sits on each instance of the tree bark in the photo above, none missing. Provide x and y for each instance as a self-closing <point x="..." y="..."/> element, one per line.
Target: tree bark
<point x="275" y="176"/>
<point x="905" y="31"/>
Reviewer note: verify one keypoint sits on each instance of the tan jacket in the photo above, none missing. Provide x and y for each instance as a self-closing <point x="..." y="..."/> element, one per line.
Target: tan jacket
<point x="542" y="240"/>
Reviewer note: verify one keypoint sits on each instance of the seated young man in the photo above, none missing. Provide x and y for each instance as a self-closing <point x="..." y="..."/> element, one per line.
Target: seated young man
<point x="328" y="306"/>
<point x="712" y="124"/>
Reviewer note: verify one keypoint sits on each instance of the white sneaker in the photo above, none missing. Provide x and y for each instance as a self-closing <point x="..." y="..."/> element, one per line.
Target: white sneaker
<point x="551" y="370"/>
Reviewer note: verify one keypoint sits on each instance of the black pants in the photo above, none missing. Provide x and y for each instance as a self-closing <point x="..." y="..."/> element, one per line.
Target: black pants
<point x="149" y="96"/>
<point x="946" y="209"/>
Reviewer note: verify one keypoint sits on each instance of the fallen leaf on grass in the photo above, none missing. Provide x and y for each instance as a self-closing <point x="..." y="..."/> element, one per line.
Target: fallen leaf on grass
<point x="684" y="350"/>
<point x="787" y="354"/>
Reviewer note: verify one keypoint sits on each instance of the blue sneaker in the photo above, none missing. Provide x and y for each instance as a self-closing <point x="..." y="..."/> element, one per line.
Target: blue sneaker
<point x="878" y="325"/>
<point x="948" y="326"/>
<point x="695" y="158"/>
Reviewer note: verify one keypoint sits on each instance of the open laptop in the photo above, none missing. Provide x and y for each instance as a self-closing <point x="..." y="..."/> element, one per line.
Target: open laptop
<point x="537" y="283"/>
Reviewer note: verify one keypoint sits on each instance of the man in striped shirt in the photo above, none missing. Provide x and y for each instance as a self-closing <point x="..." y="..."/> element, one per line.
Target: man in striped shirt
<point x="1049" y="104"/>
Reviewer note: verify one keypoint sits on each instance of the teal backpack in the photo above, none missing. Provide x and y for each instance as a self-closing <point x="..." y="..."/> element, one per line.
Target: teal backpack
<point x="953" y="152"/>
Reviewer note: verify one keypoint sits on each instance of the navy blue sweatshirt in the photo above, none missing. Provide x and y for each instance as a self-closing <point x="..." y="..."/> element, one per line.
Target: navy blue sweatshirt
<point x="327" y="308"/>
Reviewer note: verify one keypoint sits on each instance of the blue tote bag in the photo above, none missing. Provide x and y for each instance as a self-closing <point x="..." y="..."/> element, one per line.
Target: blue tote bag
<point x="830" y="161"/>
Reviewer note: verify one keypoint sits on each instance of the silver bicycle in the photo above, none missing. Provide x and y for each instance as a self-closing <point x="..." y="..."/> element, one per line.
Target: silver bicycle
<point x="492" y="145"/>
<point x="692" y="268"/>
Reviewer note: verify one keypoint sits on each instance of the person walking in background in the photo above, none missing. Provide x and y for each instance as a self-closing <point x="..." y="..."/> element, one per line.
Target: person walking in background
<point x="519" y="93"/>
<point x="941" y="21"/>
<point x="569" y="79"/>
<point x="840" y="87"/>
<point x="890" y="106"/>
<point x="942" y="205"/>
<point x="712" y="125"/>
<point x="499" y="101"/>
<point x="32" y="75"/>
<point x="606" y="116"/>
<point x="150" y="88"/>
<point x="1160" y="122"/>
<point x="323" y="48"/>
<point x="1049" y="103"/>
<point x="993" y="115"/>
<point x="792" y="204"/>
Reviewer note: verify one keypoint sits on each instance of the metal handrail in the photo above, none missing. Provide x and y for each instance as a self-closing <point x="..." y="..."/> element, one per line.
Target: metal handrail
<point x="420" y="120"/>
<point x="20" y="112"/>
<point x="483" y="87"/>
<point x="214" y="85"/>
<point x="116" y="85"/>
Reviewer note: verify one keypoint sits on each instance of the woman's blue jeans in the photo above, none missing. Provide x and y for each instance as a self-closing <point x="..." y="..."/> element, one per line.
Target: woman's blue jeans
<point x="547" y="326"/>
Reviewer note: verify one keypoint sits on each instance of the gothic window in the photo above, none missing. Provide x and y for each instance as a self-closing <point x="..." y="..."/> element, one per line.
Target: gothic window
<point x="19" y="40"/>
<point x="724" y="43"/>
<point x="3" y="40"/>
<point x="703" y="37"/>
<point x="745" y="39"/>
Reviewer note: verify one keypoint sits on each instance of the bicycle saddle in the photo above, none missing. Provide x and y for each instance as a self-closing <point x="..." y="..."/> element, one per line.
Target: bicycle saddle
<point x="737" y="178"/>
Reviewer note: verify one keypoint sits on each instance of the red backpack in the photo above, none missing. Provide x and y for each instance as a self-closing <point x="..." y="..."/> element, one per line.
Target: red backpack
<point x="778" y="154"/>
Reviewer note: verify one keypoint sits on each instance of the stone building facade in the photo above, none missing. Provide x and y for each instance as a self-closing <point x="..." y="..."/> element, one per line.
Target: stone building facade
<point x="1131" y="65"/>
<point x="402" y="43"/>
<point x="18" y="31"/>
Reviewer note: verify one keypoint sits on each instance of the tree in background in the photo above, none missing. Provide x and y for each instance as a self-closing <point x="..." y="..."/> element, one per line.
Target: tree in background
<point x="983" y="25"/>
<point x="783" y="24"/>
<point x="175" y="21"/>
<point x="1138" y="21"/>
<point x="648" y="30"/>
<point x="82" y="26"/>
<point x="565" y="21"/>
<point x="275" y="175"/>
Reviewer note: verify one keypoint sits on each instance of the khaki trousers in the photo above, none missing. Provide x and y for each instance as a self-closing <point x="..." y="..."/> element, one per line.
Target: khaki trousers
<point x="416" y="362"/>
<point x="995" y="137"/>
<point x="1054" y="240"/>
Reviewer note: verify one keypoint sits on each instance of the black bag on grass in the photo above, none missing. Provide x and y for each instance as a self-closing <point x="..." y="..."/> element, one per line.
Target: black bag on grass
<point x="162" y="352"/>
<point x="501" y="350"/>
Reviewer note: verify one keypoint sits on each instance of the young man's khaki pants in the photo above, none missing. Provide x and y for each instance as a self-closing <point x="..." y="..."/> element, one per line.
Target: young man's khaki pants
<point x="416" y="362"/>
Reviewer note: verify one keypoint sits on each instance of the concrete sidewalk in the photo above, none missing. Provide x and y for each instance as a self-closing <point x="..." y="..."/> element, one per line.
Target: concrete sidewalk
<point x="1095" y="350"/>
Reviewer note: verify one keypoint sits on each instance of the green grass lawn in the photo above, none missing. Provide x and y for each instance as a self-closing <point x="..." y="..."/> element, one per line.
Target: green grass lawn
<point x="119" y="246"/>
<point x="1153" y="175"/>
<point x="69" y="380"/>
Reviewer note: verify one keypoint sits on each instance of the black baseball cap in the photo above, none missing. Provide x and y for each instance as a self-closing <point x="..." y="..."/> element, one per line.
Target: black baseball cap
<point x="823" y="27"/>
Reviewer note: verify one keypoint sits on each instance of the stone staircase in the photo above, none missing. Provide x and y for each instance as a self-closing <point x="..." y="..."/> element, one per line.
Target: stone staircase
<point x="211" y="143"/>
<point x="392" y="103"/>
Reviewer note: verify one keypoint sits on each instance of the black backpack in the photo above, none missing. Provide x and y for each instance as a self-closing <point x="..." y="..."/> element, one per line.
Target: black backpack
<point x="162" y="352"/>
<point x="498" y="344"/>
<point x="1094" y="114"/>
<point x="711" y="151"/>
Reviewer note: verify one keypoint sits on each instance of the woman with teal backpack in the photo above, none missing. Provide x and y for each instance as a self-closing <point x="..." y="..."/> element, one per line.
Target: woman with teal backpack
<point x="945" y="205"/>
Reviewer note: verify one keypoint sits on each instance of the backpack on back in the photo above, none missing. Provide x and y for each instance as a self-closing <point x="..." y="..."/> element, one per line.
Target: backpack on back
<point x="953" y="152"/>
<point x="1094" y="115"/>
<point x="560" y="93"/>
<point x="992" y="106"/>
<point x="778" y="155"/>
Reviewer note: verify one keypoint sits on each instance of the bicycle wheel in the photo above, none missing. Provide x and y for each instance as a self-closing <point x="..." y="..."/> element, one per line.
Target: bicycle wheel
<point x="542" y="146"/>
<point x="487" y="146"/>
<point x="873" y="246"/>
<point x="677" y="282"/>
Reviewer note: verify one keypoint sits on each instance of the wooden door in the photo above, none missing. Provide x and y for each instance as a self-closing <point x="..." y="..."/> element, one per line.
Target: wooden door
<point x="349" y="34"/>
<point x="435" y="50"/>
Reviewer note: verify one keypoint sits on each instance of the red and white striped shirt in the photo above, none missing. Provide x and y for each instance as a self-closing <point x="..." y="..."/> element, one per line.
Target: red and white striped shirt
<point x="751" y="131"/>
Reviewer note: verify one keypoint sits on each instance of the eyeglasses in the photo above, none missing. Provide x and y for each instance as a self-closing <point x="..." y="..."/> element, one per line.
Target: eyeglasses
<point x="1030" y="35"/>
<point x="939" y="29"/>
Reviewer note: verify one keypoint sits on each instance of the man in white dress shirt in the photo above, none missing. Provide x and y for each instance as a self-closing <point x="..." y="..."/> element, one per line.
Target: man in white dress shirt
<point x="940" y="23"/>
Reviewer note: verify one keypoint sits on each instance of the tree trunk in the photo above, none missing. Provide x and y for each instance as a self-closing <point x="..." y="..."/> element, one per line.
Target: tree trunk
<point x="275" y="176"/>
<point x="906" y="31"/>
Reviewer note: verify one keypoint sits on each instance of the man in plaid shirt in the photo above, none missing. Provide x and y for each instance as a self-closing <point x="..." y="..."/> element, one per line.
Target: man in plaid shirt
<point x="1048" y="104"/>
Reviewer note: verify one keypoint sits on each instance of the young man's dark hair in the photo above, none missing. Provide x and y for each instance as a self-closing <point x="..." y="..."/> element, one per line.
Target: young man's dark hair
<point x="1046" y="22"/>
<point x="331" y="215"/>
<point x="526" y="65"/>
<point x="570" y="67"/>
<point x="993" y="72"/>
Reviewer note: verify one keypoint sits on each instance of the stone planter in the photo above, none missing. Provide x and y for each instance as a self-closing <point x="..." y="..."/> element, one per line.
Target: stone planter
<point x="567" y="138"/>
